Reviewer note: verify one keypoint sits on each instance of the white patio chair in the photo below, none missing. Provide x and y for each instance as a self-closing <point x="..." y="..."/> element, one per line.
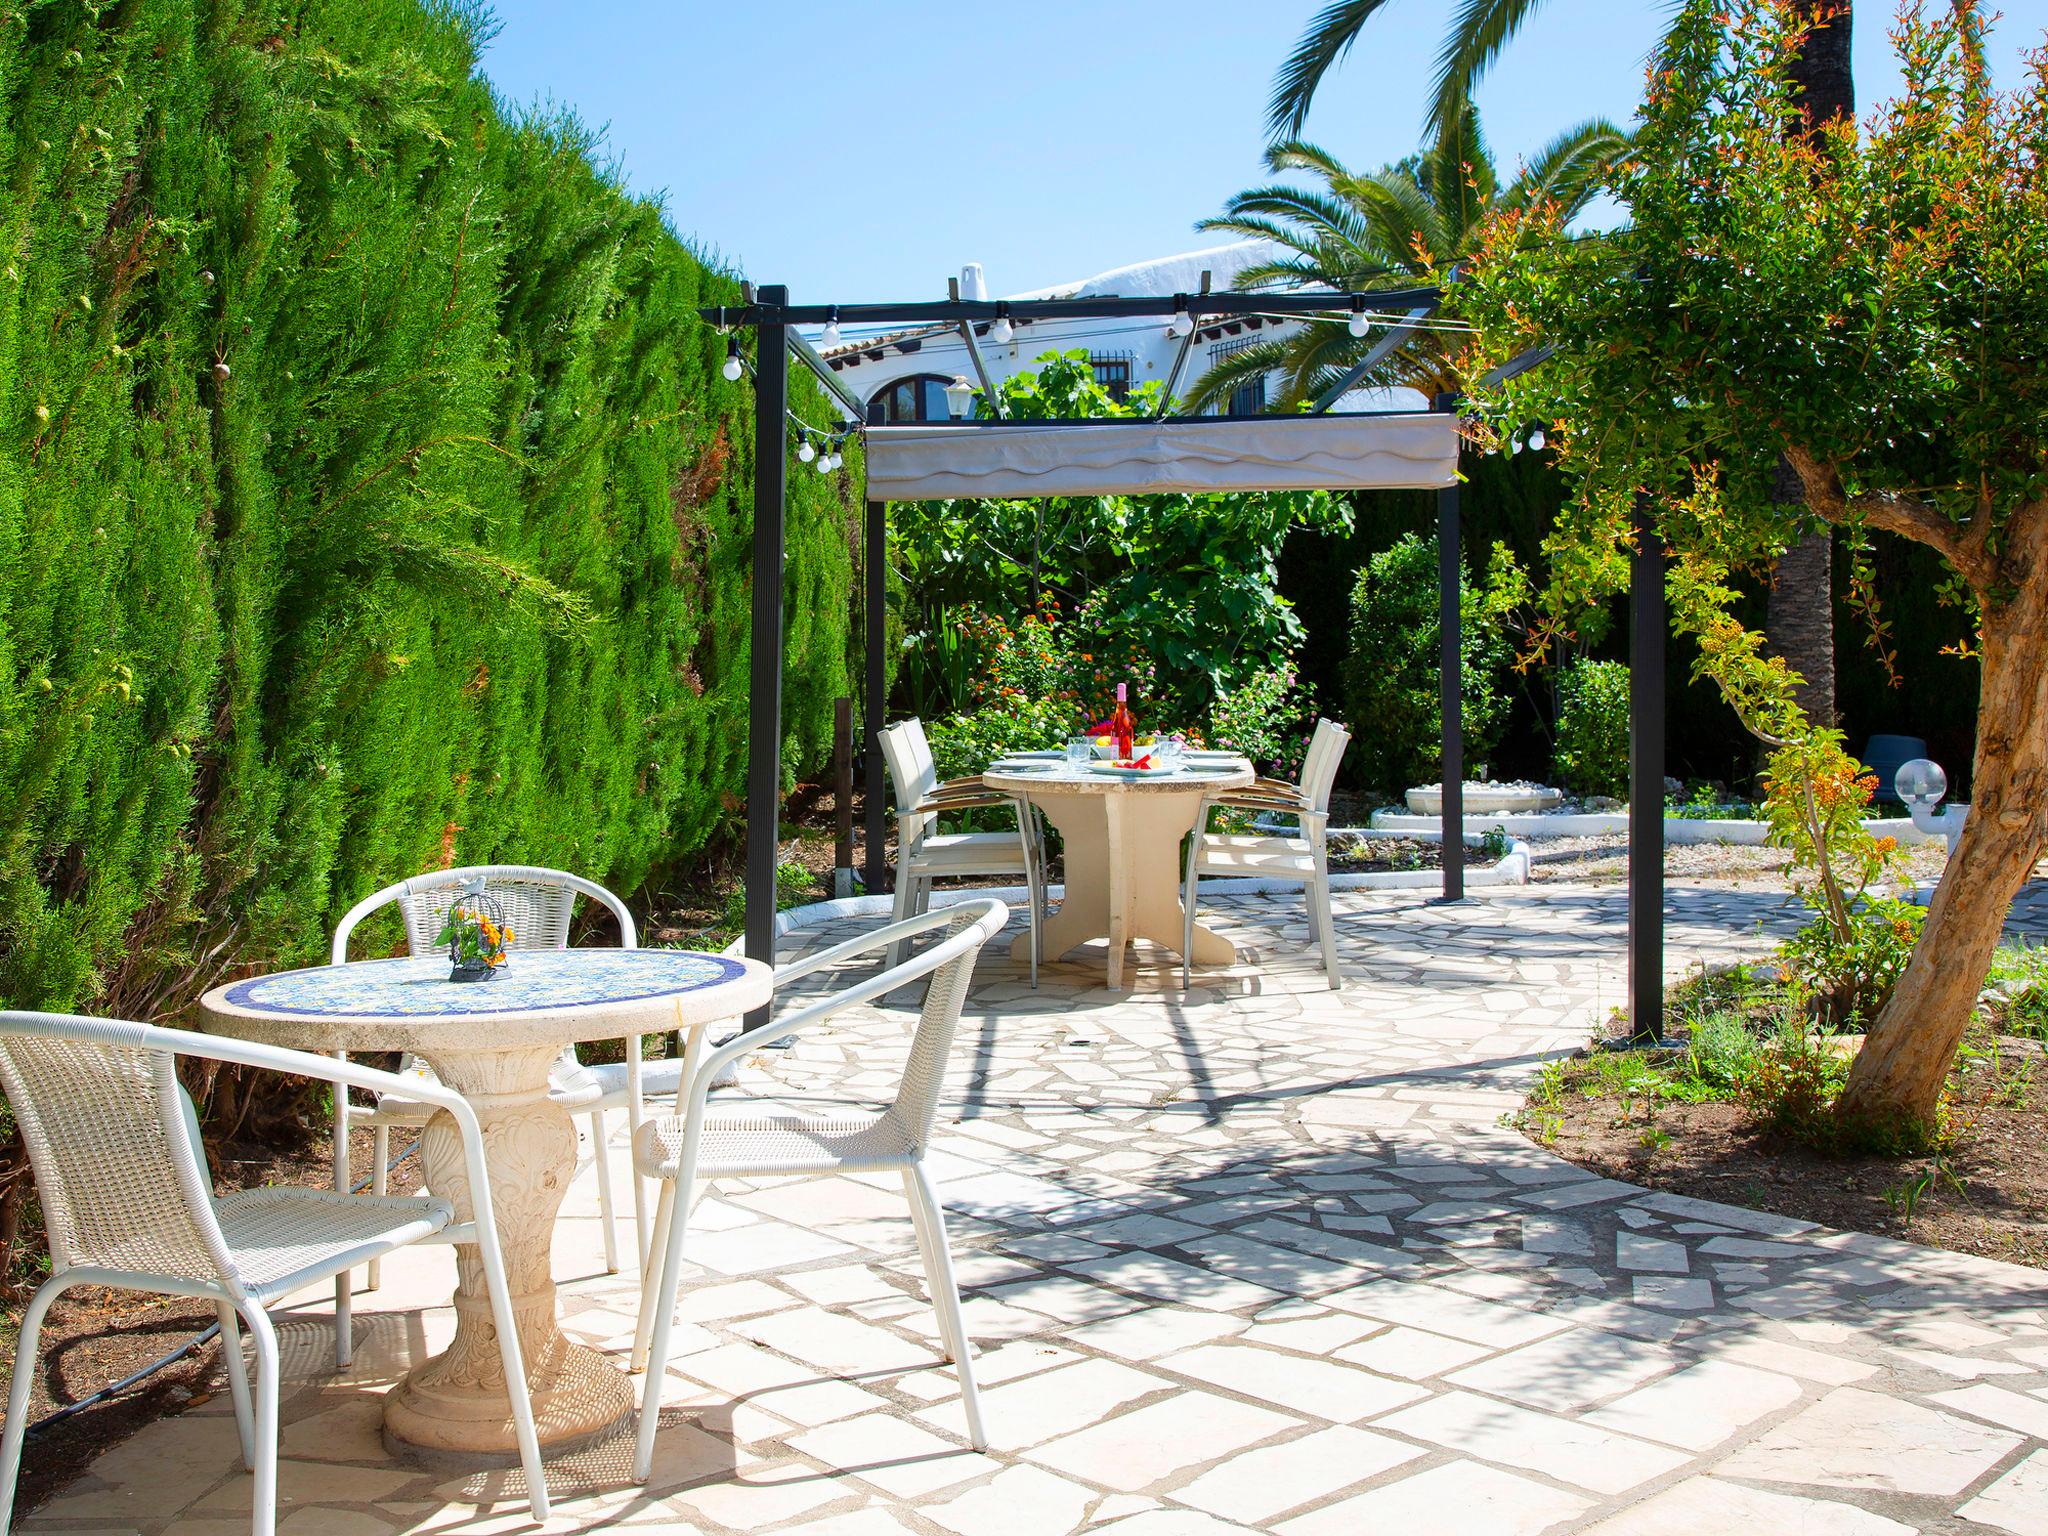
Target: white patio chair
<point x="538" y="905"/>
<point x="128" y="1202"/>
<point x="733" y="1139"/>
<point x="1305" y="859"/>
<point x="925" y="855"/>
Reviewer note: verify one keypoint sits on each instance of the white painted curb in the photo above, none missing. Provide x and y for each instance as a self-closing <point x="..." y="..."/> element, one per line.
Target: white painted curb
<point x="1677" y="829"/>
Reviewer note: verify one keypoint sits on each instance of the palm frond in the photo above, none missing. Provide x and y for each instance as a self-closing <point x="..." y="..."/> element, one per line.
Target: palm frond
<point x="1479" y="33"/>
<point x="1328" y="38"/>
<point x="1220" y="381"/>
<point x="1407" y="224"/>
<point x="1460" y="173"/>
<point x="1569" y="169"/>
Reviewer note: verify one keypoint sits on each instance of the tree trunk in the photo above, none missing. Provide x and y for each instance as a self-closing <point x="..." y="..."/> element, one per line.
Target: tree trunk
<point x="1799" y="620"/>
<point x="1799" y="616"/>
<point x="1904" y="1062"/>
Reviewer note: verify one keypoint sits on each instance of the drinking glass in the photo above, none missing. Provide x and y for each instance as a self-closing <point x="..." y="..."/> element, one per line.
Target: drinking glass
<point x="1079" y="749"/>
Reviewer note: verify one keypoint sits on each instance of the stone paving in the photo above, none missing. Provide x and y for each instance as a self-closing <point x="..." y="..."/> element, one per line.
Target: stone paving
<point x="1258" y="1257"/>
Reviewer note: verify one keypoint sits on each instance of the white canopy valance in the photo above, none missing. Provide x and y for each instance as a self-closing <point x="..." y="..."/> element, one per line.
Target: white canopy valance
<point x="1416" y="451"/>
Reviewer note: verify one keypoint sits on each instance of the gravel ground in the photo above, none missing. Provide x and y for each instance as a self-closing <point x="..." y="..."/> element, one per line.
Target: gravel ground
<point x="1605" y="859"/>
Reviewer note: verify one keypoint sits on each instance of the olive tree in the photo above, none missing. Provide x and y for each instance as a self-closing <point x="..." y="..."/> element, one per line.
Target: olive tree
<point x="1871" y="308"/>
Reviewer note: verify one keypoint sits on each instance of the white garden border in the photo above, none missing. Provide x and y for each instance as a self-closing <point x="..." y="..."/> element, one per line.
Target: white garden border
<point x="1677" y="829"/>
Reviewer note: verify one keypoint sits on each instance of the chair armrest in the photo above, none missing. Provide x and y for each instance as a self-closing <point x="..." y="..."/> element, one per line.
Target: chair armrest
<point x="981" y="799"/>
<point x="973" y="936"/>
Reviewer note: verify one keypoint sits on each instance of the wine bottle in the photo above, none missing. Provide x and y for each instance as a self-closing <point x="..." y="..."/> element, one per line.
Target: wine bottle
<point x="1124" y="727"/>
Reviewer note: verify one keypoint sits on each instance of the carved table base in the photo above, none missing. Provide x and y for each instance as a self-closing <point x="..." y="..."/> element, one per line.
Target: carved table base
<point x="1123" y="853"/>
<point x="454" y="1406"/>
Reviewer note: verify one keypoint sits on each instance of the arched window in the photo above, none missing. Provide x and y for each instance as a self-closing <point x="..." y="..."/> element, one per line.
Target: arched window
<point x="920" y="398"/>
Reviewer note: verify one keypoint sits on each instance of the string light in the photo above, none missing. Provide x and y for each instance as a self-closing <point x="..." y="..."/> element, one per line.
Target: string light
<point x="805" y="453"/>
<point x="1537" y="439"/>
<point x="733" y="366"/>
<point x="1001" y="330"/>
<point x="1182" y="322"/>
<point x="1360" y="322"/>
<point x="829" y="337"/>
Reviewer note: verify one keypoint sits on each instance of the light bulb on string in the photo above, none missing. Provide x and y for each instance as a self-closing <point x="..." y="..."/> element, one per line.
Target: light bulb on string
<point x="1182" y="322"/>
<point x="1000" y="330"/>
<point x="824" y="463"/>
<point x="1537" y="439"/>
<point x="1514" y="445"/>
<point x="829" y="337"/>
<point x="732" y="368"/>
<point x="1360" y="322"/>
<point x="805" y="452"/>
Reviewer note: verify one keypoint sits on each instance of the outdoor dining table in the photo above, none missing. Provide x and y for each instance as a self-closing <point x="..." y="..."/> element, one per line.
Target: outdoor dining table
<point x="1123" y="850"/>
<point x="495" y="1042"/>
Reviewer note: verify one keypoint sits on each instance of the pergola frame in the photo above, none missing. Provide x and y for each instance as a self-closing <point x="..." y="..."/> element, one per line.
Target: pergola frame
<point x="774" y="319"/>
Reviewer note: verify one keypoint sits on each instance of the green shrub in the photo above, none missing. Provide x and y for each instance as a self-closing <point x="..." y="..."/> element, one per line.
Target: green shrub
<point x="1391" y="675"/>
<point x="966" y="744"/>
<point x="1591" y="755"/>
<point x="369" y="496"/>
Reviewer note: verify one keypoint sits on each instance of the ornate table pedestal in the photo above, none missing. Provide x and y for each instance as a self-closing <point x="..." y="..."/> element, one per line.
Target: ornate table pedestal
<point x="454" y="1406"/>
<point x="1123" y="853"/>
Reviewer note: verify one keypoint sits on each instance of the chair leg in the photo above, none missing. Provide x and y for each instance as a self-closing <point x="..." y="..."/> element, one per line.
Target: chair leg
<point x="344" y="1323"/>
<point x="263" y="1496"/>
<point x="952" y="1348"/>
<point x="1187" y="913"/>
<point x="512" y="1359"/>
<point x="906" y="896"/>
<point x="380" y="1186"/>
<point x="945" y="1292"/>
<point x="604" y="1192"/>
<point x="238" y="1380"/>
<point x="671" y="1262"/>
<point x="17" y="1393"/>
<point x="1328" y="929"/>
<point x="650" y="1275"/>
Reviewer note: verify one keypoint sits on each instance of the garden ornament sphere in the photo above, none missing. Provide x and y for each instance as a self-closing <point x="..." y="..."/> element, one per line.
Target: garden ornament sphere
<point x="1920" y="783"/>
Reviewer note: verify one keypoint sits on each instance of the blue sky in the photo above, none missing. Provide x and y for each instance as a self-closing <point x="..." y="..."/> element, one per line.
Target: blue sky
<point x="864" y="151"/>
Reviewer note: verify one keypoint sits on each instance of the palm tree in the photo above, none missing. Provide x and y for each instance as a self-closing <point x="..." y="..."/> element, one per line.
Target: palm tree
<point x="1408" y="222"/>
<point x="1800" y="618"/>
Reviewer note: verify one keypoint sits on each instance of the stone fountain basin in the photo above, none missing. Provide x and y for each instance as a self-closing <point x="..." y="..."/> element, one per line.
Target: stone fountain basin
<point x="1488" y="799"/>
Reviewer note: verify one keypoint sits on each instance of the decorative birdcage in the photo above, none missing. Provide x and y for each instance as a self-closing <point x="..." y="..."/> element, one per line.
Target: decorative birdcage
<point x="475" y="934"/>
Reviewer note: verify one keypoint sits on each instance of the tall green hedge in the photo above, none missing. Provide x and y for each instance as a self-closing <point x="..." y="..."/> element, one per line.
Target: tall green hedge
<point x="369" y="494"/>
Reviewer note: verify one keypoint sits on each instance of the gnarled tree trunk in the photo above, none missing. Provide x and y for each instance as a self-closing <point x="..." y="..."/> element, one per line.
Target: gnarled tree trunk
<point x="1905" y="1060"/>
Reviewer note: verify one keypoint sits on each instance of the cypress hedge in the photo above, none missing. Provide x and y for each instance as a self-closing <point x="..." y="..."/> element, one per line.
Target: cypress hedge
<point x="369" y="495"/>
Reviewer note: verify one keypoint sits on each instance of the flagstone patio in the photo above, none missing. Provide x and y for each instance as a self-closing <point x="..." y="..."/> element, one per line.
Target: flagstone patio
<point x="1258" y="1257"/>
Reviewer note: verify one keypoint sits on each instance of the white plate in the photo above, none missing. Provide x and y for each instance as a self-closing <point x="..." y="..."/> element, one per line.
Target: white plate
<point x="1115" y="772"/>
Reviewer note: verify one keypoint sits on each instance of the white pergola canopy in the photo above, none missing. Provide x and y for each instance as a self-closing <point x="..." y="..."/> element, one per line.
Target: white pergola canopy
<point x="1019" y="460"/>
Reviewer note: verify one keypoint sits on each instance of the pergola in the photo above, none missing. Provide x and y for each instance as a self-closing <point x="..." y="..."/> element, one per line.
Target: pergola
<point x="991" y="457"/>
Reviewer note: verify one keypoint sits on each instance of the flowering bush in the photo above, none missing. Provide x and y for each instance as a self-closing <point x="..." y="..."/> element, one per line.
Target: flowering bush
<point x="1046" y="656"/>
<point x="967" y="743"/>
<point x="1264" y="718"/>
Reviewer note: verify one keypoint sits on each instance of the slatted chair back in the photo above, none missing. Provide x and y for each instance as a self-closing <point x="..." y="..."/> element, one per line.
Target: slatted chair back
<point x="914" y="775"/>
<point x="1319" y="767"/>
<point x="115" y="1148"/>
<point x="538" y="904"/>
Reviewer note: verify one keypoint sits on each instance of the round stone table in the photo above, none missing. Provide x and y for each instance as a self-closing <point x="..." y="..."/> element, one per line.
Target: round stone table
<point x="494" y="1042"/>
<point x="1123" y="849"/>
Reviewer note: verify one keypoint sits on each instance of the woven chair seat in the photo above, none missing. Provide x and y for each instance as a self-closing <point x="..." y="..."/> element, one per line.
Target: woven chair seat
<point x="765" y="1140"/>
<point x="278" y="1234"/>
<point x="971" y="853"/>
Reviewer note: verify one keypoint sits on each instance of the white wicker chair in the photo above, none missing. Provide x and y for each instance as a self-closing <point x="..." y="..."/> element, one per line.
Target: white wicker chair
<point x="924" y="854"/>
<point x="1304" y="859"/>
<point x="538" y="905"/>
<point x="734" y="1140"/>
<point x="129" y="1202"/>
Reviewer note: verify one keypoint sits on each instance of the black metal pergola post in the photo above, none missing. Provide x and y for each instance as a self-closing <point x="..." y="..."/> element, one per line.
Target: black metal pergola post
<point x="764" y="720"/>
<point x="1646" y="780"/>
<point x="875" y="568"/>
<point x="1451" y="682"/>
